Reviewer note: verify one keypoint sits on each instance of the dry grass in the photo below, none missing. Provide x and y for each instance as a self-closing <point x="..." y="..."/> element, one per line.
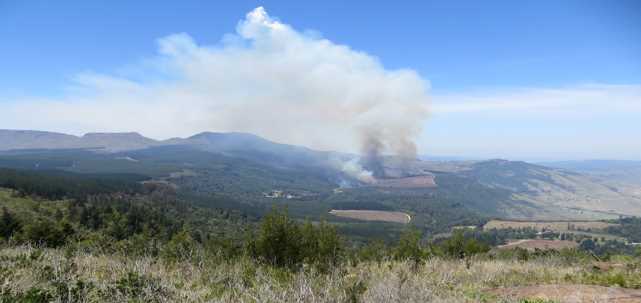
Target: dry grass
<point x="110" y="278"/>
<point x="373" y="215"/>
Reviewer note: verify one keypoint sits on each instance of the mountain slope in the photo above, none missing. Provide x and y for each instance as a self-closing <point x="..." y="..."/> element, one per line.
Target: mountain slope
<point x="255" y="148"/>
<point x="111" y="142"/>
<point x="554" y="193"/>
<point x="28" y="139"/>
<point x="244" y="166"/>
<point x="608" y="170"/>
<point x="240" y="145"/>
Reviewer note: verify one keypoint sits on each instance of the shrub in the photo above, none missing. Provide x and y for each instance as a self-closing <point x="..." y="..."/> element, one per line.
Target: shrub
<point x="278" y="242"/>
<point x="321" y="245"/>
<point x="46" y="232"/>
<point x="409" y="247"/>
<point x="181" y="247"/>
<point x="8" y="224"/>
<point x="283" y="242"/>
<point x="459" y="246"/>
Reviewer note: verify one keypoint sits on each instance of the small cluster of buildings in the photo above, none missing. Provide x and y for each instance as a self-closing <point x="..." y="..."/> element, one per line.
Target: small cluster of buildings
<point x="278" y="194"/>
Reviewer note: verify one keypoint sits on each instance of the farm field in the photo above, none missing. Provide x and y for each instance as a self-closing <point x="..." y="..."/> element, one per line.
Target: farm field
<point x="373" y="215"/>
<point x="533" y="244"/>
<point x="557" y="226"/>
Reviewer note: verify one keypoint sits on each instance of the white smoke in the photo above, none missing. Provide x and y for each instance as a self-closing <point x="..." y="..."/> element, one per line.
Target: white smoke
<point x="267" y="79"/>
<point x="355" y="170"/>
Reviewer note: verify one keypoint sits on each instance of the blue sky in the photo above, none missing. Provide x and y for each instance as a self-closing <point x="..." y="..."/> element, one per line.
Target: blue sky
<point x="488" y="64"/>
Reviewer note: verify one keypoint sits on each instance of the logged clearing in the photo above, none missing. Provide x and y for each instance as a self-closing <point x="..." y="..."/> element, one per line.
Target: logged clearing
<point x="557" y="226"/>
<point x="373" y="215"/>
<point x="571" y="293"/>
<point x="407" y="182"/>
<point x="531" y="244"/>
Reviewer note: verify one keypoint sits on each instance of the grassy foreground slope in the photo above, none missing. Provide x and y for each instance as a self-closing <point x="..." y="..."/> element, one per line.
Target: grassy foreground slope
<point x="43" y="275"/>
<point x="114" y="242"/>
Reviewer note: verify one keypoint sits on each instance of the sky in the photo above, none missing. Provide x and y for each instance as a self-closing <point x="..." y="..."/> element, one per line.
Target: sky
<point x="531" y="80"/>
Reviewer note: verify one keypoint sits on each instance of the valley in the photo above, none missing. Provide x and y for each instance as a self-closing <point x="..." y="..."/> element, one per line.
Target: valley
<point x="270" y="208"/>
<point x="242" y="171"/>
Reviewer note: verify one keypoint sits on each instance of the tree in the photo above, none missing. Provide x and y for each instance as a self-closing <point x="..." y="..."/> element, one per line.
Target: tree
<point x="181" y="247"/>
<point x="278" y="242"/>
<point x="588" y="245"/>
<point x="460" y="246"/>
<point x="409" y="247"/>
<point x="320" y="245"/>
<point x="8" y="224"/>
<point x="43" y="231"/>
<point x="374" y="251"/>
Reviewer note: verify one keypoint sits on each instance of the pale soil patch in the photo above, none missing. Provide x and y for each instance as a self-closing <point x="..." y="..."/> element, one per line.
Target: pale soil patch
<point x="161" y="182"/>
<point x="571" y="293"/>
<point x="530" y="244"/>
<point x="558" y="226"/>
<point x="373" y="215"/>
<point x="407" y="182"/>
<point x="183" y="173"/>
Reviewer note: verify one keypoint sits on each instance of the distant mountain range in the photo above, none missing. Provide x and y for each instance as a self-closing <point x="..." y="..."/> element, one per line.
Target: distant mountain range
<point x="608" y="170"/>
<point x="30" y="139"/>
<point x="233" y="163"/>
<point x="238" y="144"/>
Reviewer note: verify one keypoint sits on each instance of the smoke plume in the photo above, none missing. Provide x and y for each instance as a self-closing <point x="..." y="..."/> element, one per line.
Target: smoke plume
<point x="266" y="78"/>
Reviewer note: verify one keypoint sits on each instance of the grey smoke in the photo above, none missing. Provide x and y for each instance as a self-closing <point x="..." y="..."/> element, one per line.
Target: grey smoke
<point x="371" y="157"/>
<point x="267" y="78"/>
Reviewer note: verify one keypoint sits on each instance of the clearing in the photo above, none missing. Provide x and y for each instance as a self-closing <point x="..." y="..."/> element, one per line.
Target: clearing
<point x="373" y="215"/>
<point x="575" y="293"/>
<point x="532" y="244"/>
<point x="424" y="181"/>
<point x="557" y="226"/>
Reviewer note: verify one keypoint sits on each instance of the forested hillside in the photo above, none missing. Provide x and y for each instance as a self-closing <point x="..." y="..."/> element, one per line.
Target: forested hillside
<point x="121" y="242"/>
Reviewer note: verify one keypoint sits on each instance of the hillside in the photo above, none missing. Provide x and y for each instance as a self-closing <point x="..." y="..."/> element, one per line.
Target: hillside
<point x="237" y="170"/>
<point x="155" y="248"/>
<point x="606" y="170"/>
<point x="552" y="193"/>
<point x="521" y="190"/>
<point x="28" y="139"/>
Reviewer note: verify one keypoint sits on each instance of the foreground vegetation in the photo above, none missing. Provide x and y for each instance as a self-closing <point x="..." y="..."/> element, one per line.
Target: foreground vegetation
<point x="42" y="275"/>
<point x="105" y="240"/>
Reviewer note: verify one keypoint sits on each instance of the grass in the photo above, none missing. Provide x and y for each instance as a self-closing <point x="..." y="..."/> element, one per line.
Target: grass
<point x="29" y="207"/>
<point x="29" y="274"/>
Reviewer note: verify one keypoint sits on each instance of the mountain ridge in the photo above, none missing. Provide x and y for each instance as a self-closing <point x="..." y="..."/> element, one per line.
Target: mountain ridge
<point x="495" y="187"/>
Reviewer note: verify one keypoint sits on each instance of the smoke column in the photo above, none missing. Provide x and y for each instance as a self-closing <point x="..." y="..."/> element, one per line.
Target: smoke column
<point x="266" y="78"/>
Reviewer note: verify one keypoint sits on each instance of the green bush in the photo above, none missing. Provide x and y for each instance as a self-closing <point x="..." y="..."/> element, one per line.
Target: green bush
<point x="321" y="245"/>
<point x="409" y="247"/>
<point x="283" y="242"/>
<point x="8" y="224"/>
<point x="181" y="247"/>
<point x="278" y="242"/>
<point x="45" y="232"/>
<point x="33" y="295"/>
<point x="459" y="246"/>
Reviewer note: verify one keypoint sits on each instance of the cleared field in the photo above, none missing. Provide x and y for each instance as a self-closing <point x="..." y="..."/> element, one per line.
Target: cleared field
<point x="531" y="244"/>
<point x="571" y="293"/>
<point x="558" y="226"/>
<point x="407" y="182"/>
<point x="373" y="215"/>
